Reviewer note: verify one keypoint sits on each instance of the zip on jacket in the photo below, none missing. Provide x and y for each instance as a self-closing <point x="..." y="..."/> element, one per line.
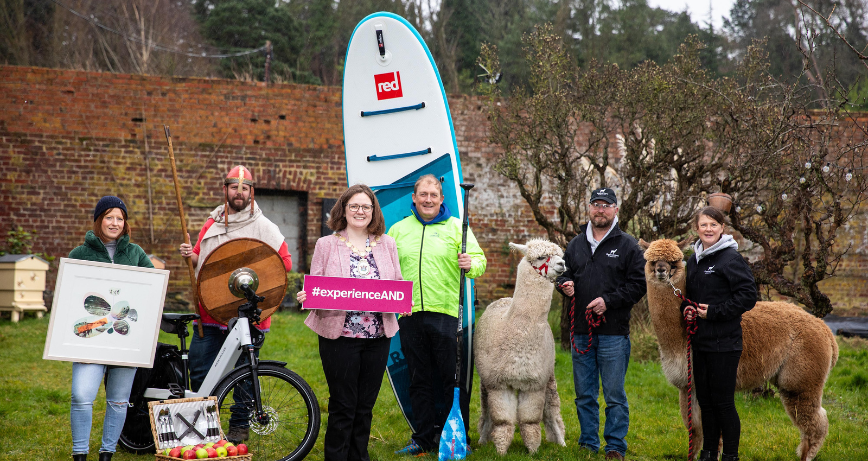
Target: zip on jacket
<point x="126" y="253"/>
<point x="429" y="251"/>
<point x="421" y="247"/>
<point x="614" y="272"/>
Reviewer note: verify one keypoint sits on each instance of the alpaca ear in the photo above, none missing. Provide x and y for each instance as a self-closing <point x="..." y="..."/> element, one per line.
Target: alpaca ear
<point x="643" y="244"/>
<point x="518" y="247"/>
<point x="682" y="245"/>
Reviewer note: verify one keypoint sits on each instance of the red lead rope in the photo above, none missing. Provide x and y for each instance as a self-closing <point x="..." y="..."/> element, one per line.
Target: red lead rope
<point x="593" y="319"/>
<point x="689" y="311"/>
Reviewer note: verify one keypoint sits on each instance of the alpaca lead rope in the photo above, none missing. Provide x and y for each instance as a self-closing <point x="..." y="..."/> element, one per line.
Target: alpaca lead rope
<point x="593" y="320"/>
<point x="689" y="311"/>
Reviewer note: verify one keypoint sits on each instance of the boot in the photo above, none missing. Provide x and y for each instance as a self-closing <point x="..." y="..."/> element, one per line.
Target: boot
<point x="727" y="457"/>
<point x="105" y="456"/>
<point x="237" y="434"/>
<point x="79" y="457"/>
<point x="706" y="455"/>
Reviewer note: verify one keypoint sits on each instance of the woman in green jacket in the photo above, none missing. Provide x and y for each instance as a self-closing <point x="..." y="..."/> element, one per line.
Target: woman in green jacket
<point x="108" y="242"/>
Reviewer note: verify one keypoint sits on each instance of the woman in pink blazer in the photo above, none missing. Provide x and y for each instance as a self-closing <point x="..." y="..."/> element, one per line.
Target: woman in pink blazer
<point x="353" y="345"/>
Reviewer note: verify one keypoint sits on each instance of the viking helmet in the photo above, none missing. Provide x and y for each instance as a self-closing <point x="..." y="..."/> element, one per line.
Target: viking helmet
<point x="238" y="175"/>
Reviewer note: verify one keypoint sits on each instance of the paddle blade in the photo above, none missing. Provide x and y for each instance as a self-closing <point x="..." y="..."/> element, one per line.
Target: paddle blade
<point x="453" y="439"/>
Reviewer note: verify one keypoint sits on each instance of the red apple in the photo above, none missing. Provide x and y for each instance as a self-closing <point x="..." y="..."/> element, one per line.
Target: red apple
<point x="201" y="445"/>
<point x="242" y="449"/>
<point x="220" y="443"/>
<point x="232" y="450"/>
<point x="212" y="453"/>
<point x="175" y="453"/>
<point x="189" y="454"/>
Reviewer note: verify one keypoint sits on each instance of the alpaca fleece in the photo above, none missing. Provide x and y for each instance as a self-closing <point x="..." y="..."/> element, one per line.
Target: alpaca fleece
<point x="515" y="356"/>
<point x="783" y="344"/>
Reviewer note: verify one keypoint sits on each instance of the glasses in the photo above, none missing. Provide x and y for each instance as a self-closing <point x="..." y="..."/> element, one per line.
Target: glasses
<point x="604" y="205"/>
<point x="354" y="208"/>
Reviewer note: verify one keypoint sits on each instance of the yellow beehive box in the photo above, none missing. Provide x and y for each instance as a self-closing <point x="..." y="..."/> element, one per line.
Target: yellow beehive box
<point x="22" y="281"/>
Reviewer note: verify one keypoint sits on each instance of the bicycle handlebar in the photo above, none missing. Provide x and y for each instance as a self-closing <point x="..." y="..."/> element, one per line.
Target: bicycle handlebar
<point x="250" y="309"/>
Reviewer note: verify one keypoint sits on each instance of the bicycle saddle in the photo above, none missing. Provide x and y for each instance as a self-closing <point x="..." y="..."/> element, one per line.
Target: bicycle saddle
<point x="170" y="317"/>
<point x="173" y="323"/>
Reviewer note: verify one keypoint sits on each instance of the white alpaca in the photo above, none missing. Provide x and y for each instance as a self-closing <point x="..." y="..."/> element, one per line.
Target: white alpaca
<point x="515" y="355"/>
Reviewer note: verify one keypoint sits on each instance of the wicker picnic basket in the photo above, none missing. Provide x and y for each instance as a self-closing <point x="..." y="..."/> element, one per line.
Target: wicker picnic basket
<point x="203" y="402"/>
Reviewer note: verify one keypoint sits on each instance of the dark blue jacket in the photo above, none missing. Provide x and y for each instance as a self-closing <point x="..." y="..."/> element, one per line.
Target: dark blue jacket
<point x="615" y="272"/>
<point x="724" y="281"/>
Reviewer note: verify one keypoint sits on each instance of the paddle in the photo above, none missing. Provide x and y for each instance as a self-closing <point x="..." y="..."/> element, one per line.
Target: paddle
<point x="453" y="439"/>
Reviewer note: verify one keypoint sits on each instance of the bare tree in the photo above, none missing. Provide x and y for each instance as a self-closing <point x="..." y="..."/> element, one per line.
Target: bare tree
<point x="857" y="12"/>
<point x="801" y="180"/>
<point x="539" y="130"/>
<point x="137" y="36"/>
<point x="445" y="47"/>
<point x="28" y="33"/>
<point x="667" y="136"/>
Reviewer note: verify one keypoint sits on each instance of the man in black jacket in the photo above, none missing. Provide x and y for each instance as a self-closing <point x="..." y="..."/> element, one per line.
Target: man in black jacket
<point x="606" y="275"/>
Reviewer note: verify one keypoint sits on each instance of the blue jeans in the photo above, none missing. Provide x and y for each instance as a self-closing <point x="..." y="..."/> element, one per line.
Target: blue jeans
<point x="203" y="352"/>
<point x="86" y="378"/>
<point x="606" y="361"/>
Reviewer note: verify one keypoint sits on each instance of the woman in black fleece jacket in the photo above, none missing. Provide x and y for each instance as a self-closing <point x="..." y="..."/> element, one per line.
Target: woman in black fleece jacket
<point x="720" y="281"/>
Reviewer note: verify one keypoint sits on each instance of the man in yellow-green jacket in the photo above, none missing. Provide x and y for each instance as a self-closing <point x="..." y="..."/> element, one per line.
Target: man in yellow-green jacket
<point x="429" y="250"/>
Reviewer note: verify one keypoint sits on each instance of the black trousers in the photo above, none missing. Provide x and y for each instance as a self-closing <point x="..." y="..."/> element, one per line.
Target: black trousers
<point x="714" y="374"/>
<point x="354" y="370"/>
<point x="428" y="340"/>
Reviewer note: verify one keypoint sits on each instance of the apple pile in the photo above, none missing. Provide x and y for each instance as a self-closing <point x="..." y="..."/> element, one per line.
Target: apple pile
<point x="220" y="449"/>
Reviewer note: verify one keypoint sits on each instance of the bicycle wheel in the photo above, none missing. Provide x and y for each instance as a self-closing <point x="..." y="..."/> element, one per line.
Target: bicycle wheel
<point x="289" y="402"/>
<point x="136" y="434"/>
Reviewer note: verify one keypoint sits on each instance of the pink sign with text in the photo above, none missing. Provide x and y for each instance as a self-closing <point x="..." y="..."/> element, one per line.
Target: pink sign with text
<point x="352" y="294"/>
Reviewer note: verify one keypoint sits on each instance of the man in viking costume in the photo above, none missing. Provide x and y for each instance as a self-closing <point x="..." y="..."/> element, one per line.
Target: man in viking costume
<point x="238" y="217"/>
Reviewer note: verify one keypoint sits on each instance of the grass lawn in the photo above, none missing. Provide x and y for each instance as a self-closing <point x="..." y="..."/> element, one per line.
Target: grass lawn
<point x="35" y="394"/>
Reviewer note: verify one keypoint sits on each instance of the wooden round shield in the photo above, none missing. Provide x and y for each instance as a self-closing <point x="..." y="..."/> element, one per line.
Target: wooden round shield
<point x="213" y="280"/>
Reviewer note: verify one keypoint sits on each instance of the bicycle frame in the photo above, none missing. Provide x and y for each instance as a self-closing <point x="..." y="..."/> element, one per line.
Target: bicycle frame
<point x="237" y="342"/>
<point x="298" y="431"/>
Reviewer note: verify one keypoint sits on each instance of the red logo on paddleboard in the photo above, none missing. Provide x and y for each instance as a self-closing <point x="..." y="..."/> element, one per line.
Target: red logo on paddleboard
<point x="388" y="86"/>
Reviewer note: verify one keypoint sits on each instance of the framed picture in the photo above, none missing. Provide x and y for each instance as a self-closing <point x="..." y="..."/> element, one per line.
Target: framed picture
<point x="106" y="313"/>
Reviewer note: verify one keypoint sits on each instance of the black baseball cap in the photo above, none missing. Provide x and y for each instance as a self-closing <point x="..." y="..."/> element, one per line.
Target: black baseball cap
<point x="605" y="194"/>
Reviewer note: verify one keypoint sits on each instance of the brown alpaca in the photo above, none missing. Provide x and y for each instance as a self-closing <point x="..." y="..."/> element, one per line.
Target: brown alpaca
<point x="783" y="344"/>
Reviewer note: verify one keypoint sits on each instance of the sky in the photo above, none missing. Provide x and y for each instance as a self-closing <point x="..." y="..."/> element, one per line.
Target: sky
<point x="698" y="9"/>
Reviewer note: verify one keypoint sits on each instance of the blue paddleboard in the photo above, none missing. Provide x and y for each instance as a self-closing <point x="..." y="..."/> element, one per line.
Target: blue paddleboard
<point x="397" y="127"/>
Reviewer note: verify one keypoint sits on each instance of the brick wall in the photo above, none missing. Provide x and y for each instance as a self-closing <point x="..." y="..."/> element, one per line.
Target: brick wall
<point x="69" y="137"/>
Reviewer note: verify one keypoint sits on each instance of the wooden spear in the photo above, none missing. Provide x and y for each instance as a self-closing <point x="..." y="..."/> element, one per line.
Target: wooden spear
<point x="189" y="259"/>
